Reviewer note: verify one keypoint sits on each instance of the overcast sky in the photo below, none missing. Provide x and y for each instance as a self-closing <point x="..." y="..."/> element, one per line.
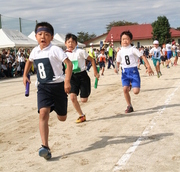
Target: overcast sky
<point x="91" y="16"/>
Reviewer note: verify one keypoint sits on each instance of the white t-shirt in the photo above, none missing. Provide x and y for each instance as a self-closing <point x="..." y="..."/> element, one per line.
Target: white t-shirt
<point x="128" y="56"/>
<point x="178" y="49"/>
<point x="168" y="47"/>
<point x="21" y="58"/>
<point x="174" y="48"/>
<point x="79" y="56"/>
<point x="101" y="57"/>
<point x="142" y="52"/>
<point x="156" y="52"/>
<point x="163" y="51"/>
<point x="49" y="63"/>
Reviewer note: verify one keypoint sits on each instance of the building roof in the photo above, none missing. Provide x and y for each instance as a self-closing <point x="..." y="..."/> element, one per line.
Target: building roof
<point x="140" y="32"/>
<point x="94" y="39"/>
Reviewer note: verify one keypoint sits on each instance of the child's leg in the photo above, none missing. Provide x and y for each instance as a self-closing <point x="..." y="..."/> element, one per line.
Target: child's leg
<point x="62" y="118"/>
<point x="102" y="71"/>
<point x="158" y="66"/>
<point x="76" y="103"/>
<point x="127" y="95"/>
<point x="136" y="90"/>
<point x="175" y="60"/>
<point x="43" y="125"/>
<point x="156" y="69"/>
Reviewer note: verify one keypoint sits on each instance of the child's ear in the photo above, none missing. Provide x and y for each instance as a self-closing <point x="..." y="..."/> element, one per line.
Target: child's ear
<point x="52" y="37"/>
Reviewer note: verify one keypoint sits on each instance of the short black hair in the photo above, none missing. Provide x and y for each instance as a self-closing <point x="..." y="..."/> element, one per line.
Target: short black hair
<point x="45" y="24"/>
<point x="70" y="35"/>
<point x="128" y="33"/>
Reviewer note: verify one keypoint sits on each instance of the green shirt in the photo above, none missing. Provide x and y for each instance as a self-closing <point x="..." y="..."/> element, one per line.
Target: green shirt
<point x="110" y="52"/>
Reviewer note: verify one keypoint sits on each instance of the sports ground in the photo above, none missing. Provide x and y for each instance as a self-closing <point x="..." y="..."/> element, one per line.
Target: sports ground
<point x="147" y="140"/>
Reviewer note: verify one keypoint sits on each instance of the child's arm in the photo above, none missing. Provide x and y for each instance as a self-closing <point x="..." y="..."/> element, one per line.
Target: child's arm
<point x="26" y="71"/>
<point x="67" y="85"/>
<point x="149" y="70"/>
<point x="116" y="70"/>
<point x="94" y="67"/>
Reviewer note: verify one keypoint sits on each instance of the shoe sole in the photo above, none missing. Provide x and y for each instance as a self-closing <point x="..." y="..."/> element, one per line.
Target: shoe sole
<point x="129" y="112"/>
<point x="80" y="121"/>
<point x="45" y="154"/>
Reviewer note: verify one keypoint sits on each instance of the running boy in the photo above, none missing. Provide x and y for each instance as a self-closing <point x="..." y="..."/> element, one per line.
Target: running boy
<point x="155" y="52"/>
<point x="80" y="81"/>
<point x="128" y="56"/>
<point x="102" y="61"/>
<point x="164" y="55"/>
<point x="169" y="53"/>
<point x="53" y="85"/>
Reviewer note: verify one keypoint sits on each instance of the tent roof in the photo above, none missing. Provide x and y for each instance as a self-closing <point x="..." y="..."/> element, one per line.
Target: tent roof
<point x="61" y="37"/>
<point x="54" y="41"/>
<point x="14" y="38"/>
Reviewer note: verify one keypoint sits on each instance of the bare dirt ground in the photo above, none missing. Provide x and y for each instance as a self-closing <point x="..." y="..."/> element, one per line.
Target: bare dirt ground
<point x="110" y="140"/>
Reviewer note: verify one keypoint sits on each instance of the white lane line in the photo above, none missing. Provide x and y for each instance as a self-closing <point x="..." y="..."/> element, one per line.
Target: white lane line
<point x="124" y="159"/>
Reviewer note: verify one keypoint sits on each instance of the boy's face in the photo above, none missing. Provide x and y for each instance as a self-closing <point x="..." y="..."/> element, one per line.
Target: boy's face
<point x="125" y="41"/>
<point x="102" y="52"/>
<point x="43" y="38"/>
<point x="156" y="45"/>
<point x="70" y="44"/>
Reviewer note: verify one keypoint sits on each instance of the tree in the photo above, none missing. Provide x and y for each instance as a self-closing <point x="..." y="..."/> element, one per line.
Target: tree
<point x="178" y="28"/>
<point x="118" y="23"/>
<point x="161" y="30"/>
<point x="84" y="36"/>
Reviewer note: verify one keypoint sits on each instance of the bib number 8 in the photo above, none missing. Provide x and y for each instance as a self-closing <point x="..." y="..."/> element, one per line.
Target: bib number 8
<point x="127" y="60"/>
<point x="42" y="72"/>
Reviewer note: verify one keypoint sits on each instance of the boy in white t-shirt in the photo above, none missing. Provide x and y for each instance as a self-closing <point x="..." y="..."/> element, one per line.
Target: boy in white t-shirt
<point x="169" y="53"/>
<point x="102" y="60"/>
<point x="80" y="81"/>
<point x="155" y="52"/>
<point x="53" y="85"/>
<point x="174" y="52"/>
<point x="128" y="57"/>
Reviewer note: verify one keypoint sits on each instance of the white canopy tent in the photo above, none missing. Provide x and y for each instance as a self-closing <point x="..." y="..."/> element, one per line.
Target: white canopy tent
<point x="54" y="41"/>
<point x="61" y="37"/>
<point x="14" y="38"/>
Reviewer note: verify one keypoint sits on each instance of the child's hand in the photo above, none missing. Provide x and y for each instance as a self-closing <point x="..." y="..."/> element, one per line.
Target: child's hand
<point x="149" y="71"/>
<point x="67" y="86"/>
<point x="115" y="70"/>
<point x="97" y="75"/>
<point x="25" y="80"/>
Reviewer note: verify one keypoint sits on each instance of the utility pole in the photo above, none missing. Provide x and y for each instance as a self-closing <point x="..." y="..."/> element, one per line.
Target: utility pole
<point x="0" y="22"/>
<point x="20" y="27"/>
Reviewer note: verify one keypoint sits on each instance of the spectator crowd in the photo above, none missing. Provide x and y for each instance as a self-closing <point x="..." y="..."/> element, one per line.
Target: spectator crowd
<point x="12" y="64"/>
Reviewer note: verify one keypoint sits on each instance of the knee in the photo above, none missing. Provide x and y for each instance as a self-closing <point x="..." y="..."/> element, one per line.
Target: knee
<point x="62" y="118"/>
<point x="43" y="116"/>
<point x="73" y="98"/>
<point x="84" y="100"/>
<point x="136" y="91"/>
<point x="126" y="90"/>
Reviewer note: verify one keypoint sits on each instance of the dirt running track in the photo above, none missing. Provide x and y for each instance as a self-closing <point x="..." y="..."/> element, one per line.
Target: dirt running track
<point x="145" y="140"/>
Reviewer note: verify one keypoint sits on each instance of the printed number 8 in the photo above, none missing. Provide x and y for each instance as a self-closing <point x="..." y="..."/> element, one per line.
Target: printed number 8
<point x="42" y="72"/>
<point x="127" y="60"/>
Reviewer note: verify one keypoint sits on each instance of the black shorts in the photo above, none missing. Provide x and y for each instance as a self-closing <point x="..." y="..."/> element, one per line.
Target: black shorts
<point x="163" y="58"/>
<point x="54" y="96"/>
<point x="81" y="82"/>
<point x="101" y="64"/>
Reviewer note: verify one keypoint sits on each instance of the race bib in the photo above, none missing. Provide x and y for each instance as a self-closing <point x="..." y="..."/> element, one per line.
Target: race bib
<point x="76" y="68"/>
